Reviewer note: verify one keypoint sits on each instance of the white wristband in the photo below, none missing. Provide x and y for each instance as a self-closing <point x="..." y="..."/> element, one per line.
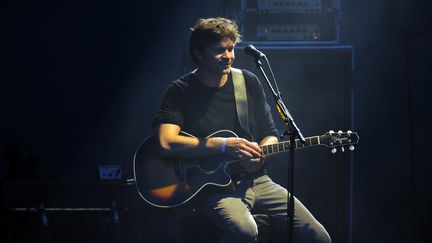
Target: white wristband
<point x="223" y="145"/>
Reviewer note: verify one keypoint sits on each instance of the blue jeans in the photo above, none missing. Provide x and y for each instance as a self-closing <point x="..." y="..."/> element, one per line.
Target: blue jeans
<point x="232" y="212"/>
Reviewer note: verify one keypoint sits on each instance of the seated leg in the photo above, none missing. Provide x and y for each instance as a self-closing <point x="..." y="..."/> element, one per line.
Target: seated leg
<point x="306" y="228"/>
<point x="272" y="199"/>
<point x="231" y="215"/>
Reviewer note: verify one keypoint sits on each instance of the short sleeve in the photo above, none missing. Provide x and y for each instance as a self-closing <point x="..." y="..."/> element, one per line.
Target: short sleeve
<point x="170" y="110"/>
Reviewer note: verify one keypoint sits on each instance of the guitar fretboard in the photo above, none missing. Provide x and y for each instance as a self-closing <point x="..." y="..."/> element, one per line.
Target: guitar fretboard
<point x="285" y="145"/>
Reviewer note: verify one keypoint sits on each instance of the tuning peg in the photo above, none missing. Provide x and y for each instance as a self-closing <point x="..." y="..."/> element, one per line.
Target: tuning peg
<point x="349" y="132"/>
<point x="333" y="150"/>
<point x="331" y="132"/>
<point x="342" y="149"/>
<point x="340" y="132"/>
<point x="351" y="148"/>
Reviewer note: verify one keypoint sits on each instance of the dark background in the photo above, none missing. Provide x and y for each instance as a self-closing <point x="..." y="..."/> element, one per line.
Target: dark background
<point x="82" y="80"/>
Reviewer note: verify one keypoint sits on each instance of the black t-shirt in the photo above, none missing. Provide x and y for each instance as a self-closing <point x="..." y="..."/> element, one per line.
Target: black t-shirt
<point x="201" y="110"/>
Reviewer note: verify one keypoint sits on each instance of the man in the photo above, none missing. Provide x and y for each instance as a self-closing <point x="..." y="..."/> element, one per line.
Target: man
<point x="202" y="102"/>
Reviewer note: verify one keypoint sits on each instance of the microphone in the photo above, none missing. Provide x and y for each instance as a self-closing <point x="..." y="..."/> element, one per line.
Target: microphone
<point x="252" y="51"/>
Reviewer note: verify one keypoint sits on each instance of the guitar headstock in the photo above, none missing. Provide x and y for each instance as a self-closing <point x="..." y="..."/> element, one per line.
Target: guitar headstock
<point x="340" y="139"/>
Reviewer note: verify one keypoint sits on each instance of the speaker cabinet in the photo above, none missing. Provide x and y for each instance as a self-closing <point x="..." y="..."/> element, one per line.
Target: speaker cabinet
<point x="316" y="86"/>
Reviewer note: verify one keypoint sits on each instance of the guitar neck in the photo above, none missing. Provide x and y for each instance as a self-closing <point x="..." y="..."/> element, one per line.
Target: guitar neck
<point x="285" y="145"/>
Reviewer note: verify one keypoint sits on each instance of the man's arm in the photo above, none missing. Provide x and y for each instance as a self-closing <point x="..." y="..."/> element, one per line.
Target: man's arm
<point x="173" y="144"/>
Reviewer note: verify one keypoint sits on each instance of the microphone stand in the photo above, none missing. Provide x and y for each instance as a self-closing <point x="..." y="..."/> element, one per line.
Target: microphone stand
<point x="293" y="132"/>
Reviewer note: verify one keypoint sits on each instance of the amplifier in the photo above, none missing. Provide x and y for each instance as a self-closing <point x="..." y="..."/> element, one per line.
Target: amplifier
<point x="307" y="21"/>
<point x="286" y="31"/>
<point x="291" y="6"/>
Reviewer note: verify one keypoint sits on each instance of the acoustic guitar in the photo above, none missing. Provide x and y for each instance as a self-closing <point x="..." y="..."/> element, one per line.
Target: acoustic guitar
<point x="171" y="185"/>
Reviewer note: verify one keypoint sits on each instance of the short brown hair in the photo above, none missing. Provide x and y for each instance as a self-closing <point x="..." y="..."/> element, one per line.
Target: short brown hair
<point x="209" y="31"/>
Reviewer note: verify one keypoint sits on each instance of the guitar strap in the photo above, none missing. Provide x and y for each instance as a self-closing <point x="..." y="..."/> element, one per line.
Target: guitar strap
<point x="240" y="95"/>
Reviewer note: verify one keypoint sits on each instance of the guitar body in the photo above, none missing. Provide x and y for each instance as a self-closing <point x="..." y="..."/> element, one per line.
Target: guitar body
<point x="172" y="185"/>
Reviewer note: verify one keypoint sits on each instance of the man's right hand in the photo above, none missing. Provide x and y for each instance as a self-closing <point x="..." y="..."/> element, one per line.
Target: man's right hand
<point x="241" y="148"/>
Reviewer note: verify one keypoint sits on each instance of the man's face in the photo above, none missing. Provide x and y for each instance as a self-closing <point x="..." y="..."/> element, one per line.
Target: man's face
<point x="218" y="58"/>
